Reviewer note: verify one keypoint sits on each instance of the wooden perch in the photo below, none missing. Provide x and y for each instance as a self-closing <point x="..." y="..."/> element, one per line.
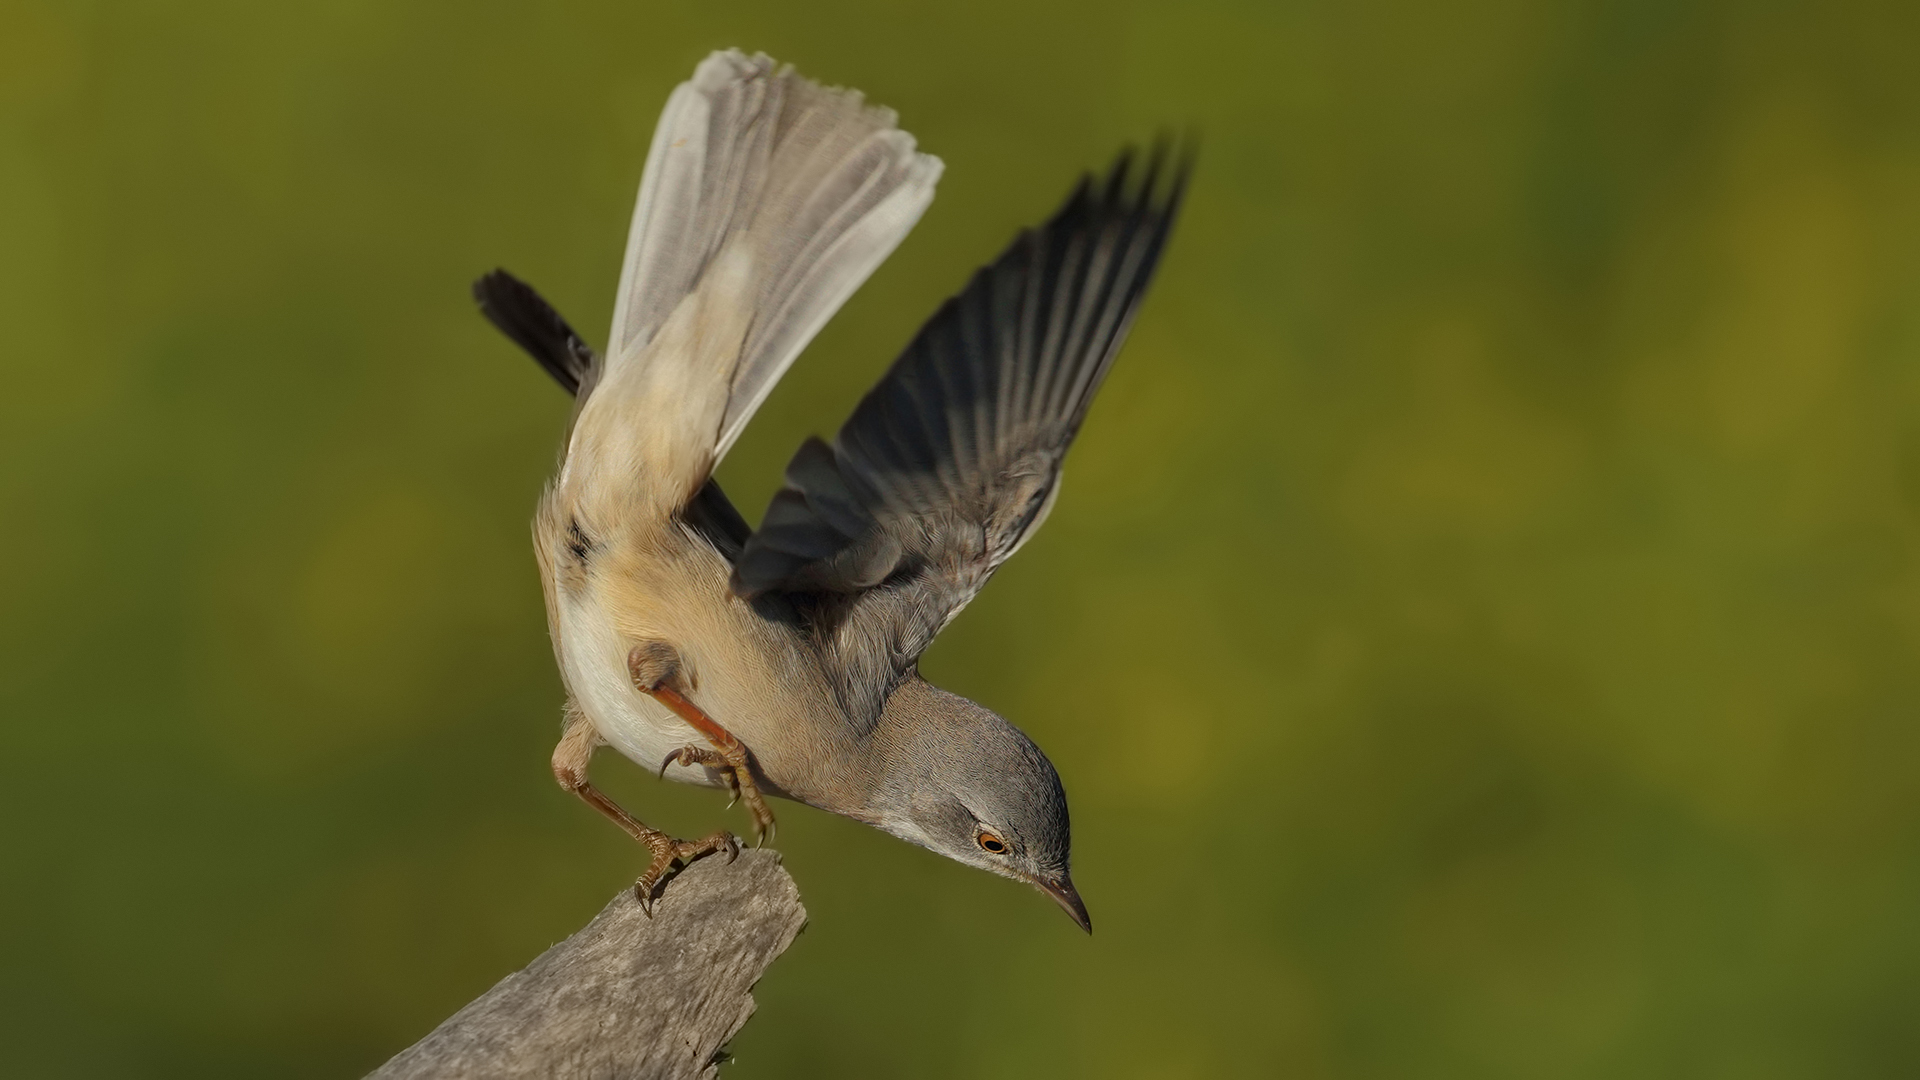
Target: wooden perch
<point x="628" y="996"/>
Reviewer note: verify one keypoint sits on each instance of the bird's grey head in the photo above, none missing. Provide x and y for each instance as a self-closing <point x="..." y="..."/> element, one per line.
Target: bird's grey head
<point x="957" y="779"/>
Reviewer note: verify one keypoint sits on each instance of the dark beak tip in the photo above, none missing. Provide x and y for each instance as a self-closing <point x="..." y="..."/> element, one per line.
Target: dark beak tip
<point x="1068" y="898"/>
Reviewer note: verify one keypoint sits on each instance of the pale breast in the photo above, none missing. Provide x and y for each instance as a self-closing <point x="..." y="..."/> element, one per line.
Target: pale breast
<point x="742" y="672"/>
<point x="639" y="727"/>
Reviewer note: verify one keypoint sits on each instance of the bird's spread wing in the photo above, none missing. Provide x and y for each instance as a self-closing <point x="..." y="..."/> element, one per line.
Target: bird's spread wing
<point x="953" y="459"/>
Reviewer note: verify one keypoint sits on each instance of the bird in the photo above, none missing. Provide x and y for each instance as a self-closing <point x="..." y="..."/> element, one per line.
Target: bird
<point x="783" y="661"/>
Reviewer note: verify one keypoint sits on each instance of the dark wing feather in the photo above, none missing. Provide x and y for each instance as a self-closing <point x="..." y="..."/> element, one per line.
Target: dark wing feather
<point x="520" y="313"/>
<point x="952" y="460"/>
<point x="711" y="514"/>
<point x="524" y="316"/>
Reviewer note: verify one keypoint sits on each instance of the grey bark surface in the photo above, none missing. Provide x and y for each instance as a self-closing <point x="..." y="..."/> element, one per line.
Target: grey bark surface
<point x="628" y="996"/>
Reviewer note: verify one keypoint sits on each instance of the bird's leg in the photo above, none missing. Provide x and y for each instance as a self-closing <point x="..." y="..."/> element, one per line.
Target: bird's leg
<point x="570" y="760"/>
<point x="655" y="669"/>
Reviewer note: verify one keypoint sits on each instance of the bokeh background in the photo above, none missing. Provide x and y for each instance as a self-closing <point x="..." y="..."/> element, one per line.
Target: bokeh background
<point x="1480" y="635"/>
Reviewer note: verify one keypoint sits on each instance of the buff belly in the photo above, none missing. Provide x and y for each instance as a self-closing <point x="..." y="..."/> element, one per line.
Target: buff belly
<point x="633" y="723"/>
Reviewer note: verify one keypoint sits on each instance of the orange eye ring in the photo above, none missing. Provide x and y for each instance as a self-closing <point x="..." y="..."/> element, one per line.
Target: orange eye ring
<point x="991" y="843"/>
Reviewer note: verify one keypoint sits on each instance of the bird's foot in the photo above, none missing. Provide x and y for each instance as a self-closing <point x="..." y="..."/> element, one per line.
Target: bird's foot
<point x="669" y="853"/>
<point x="570" y="761"/>
<point x="657" y="672"/>
<point x="735" y="764"/>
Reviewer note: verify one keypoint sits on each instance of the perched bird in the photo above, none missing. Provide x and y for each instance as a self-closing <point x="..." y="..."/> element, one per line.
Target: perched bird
<point x="784" y="661"/>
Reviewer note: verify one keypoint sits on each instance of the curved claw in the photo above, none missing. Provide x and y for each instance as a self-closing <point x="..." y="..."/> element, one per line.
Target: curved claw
<point x="668" y="760"/>
<point x="671" y="856"/>
<point x="726" y="842"/>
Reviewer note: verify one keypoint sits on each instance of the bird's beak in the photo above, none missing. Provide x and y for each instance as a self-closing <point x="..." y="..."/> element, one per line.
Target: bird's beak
<point x="1062" y="891"/>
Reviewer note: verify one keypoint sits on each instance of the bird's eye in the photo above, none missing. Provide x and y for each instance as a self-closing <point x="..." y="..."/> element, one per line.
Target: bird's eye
<point x="992" y="843"/>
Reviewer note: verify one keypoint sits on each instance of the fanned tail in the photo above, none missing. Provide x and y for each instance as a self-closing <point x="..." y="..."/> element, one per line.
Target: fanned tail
<point x="767" y="200"/>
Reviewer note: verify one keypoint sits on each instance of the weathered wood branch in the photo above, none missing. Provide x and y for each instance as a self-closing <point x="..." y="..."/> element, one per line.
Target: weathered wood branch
<point x="628" y="996"/>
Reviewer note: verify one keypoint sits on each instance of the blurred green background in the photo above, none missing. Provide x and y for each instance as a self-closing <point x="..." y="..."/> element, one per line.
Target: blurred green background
<point x="1480" y="636"/>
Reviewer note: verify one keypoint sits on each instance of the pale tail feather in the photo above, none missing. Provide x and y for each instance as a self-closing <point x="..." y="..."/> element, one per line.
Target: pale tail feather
<point x="810" y="187"/>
